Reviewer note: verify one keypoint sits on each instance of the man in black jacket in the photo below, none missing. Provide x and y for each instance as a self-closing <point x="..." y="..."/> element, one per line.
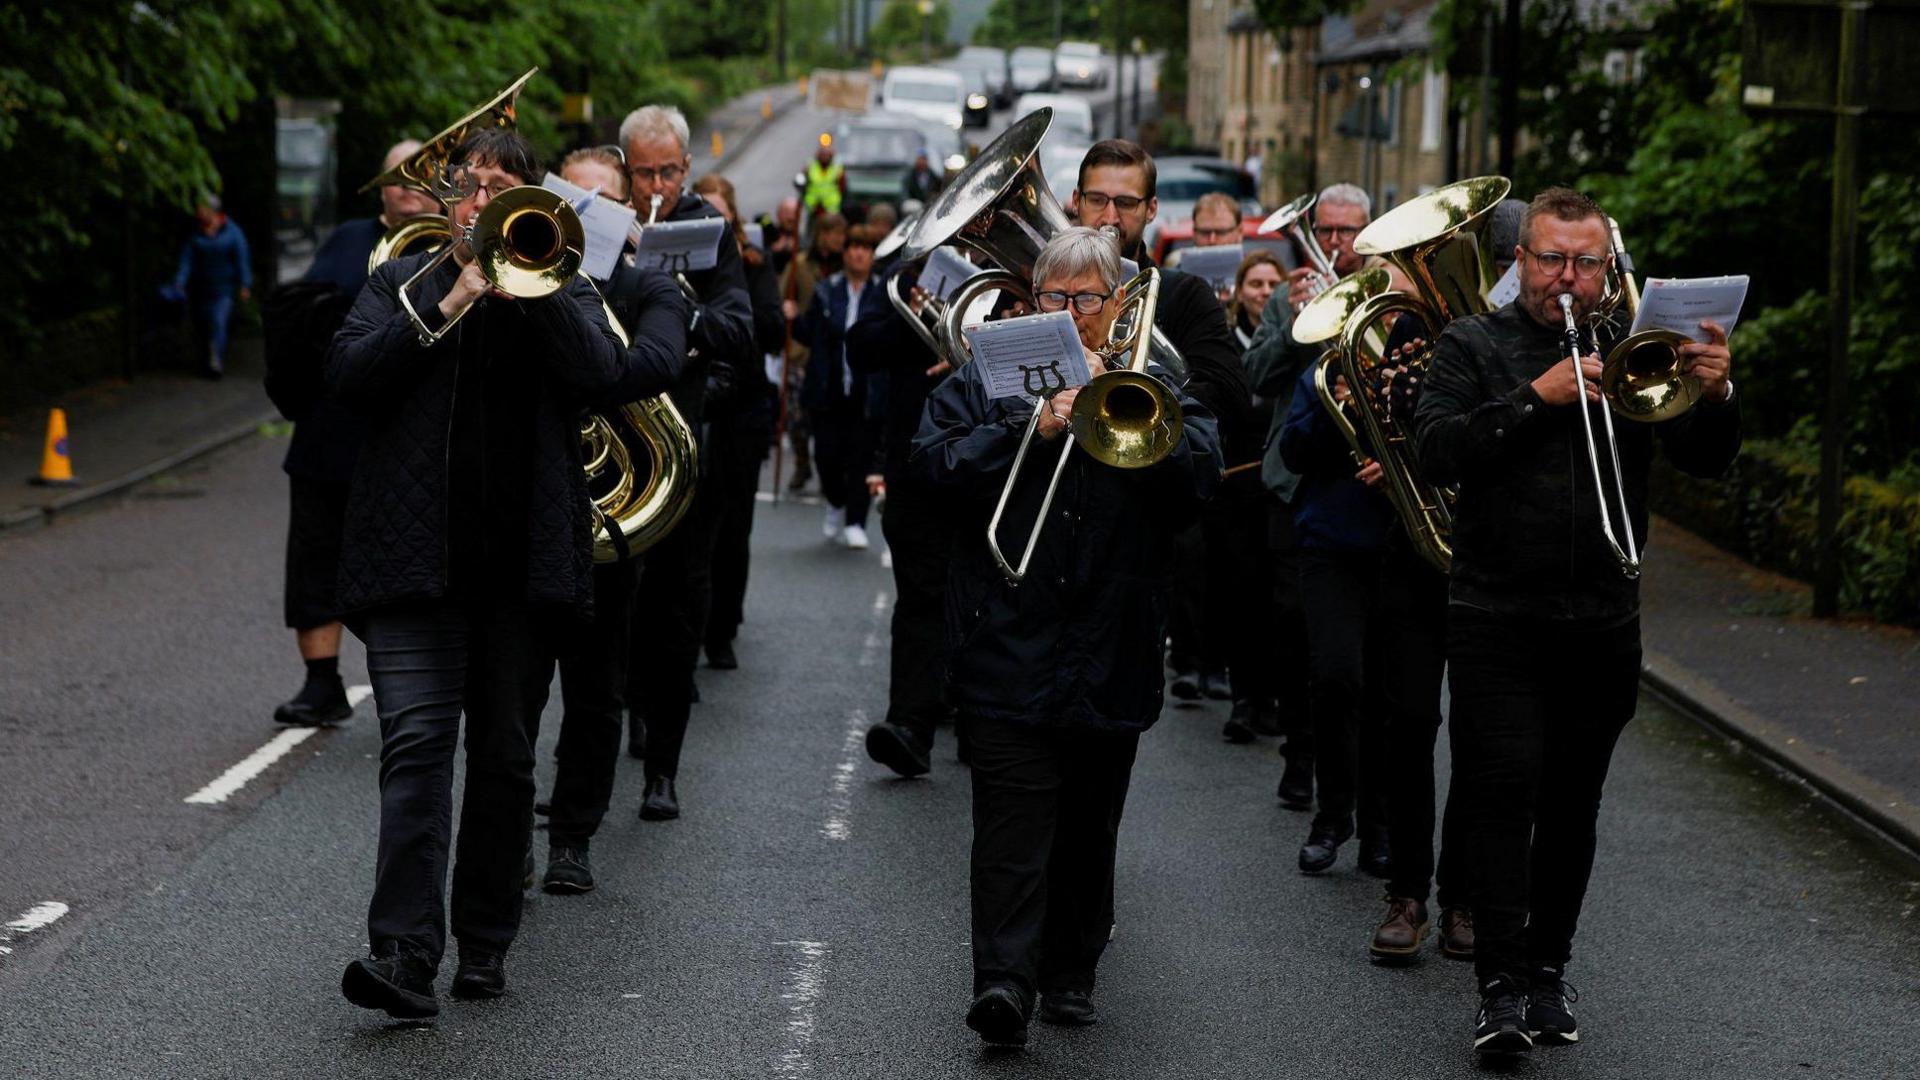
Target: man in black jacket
<point x="465" y="559"/>
<point x="301" y="320"/>
<point x="676" y="585"/>
<point x="1053" y="680"/>
<point x="1543" y="637"/>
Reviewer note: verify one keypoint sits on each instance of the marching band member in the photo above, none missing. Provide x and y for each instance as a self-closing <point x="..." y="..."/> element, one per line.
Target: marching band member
<point x="1054" y="680"/>
<point x="1543" y="637"/>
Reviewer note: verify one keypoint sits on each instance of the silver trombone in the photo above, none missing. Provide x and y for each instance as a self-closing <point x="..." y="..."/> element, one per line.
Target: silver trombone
<point x="1123" y="417"/>
<point x="1629" y="555"/>
<point x="1291" y="219"/>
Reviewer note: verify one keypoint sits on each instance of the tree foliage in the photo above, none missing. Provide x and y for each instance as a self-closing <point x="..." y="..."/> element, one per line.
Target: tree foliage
<point x="901" y="26"/>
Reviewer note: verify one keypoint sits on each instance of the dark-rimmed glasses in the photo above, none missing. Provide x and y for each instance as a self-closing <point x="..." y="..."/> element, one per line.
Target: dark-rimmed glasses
<point x="665" y="174"/>
<point x="1097" y="201"/>
<point x="1086" y="303"/>
<point x="1586" y="267"/>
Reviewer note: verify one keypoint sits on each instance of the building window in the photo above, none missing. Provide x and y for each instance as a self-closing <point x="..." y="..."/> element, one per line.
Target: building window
<point x="1433" y="109"/>
<point x="1395" y="91"/>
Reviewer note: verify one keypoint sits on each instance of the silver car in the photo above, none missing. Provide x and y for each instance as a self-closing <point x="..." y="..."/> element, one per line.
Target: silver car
<point x="1078" y="63"/>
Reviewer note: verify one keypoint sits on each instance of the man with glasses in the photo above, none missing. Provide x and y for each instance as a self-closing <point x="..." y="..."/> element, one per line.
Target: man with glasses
<point x="1341" y="211"/>
<point x="1053" y="681"/>
<point x="675" y="586"/>
<point x="1543" y="635"/>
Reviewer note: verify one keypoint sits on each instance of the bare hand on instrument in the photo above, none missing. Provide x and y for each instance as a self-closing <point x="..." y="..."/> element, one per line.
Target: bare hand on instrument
<point x="1555" y="385"/>
<point x="1303" y="284"/>
<point x="1055" y="412"/>
<point x="1710" y="363"/>
<point x="1341" y="391"/>
<point x="938" y="369"/>
<point x="1371" y="474"/>
<point x="876" y="485"/>
<point x="470" y="286"/>
<point x="917" y="299"/>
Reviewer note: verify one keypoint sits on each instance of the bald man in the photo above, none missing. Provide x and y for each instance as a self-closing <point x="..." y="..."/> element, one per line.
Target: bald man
<point x="301" y="319"/>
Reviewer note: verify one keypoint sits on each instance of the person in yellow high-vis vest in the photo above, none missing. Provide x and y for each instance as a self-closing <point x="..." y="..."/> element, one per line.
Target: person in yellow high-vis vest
<point x="826" y="182"/>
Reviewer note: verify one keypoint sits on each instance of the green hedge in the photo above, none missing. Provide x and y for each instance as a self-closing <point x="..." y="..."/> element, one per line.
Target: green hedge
<point x="1766" y="511"/>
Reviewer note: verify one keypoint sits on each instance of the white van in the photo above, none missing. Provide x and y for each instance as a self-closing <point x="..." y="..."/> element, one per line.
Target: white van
<point x="933" y="93"/>
<point x="1072" y="116"/>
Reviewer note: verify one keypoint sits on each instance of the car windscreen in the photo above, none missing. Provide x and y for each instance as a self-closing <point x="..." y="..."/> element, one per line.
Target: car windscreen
<point x="1071" y="49"/>
<point x="904" y="90"/>
<point x="1192" y="185"/>
<point x="879" y="146"/>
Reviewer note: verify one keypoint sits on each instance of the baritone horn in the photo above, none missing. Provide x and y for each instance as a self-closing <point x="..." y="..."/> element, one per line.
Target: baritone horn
<point x="1125" y="417"/>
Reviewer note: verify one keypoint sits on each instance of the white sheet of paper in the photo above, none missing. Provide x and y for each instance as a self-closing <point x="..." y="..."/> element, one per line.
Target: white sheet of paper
<point x="756" y="235"/>
<point x="1031" y="356"/>
<point x="605" y="221"/>
<point x="681" y="246"/>
<point x="1682" y="304"/>
<point x="1128" y="268"/>
<point x="945" y="272"/>
<point x="1507" y="288"/>
<point x="774" y="364"/>
<point x="1215" y="265"/>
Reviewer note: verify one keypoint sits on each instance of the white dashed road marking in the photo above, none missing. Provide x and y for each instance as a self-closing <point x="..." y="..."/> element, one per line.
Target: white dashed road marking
<point x="36" y="918"/>
<point x="805" y="983"/>
<point x="260" y="760"/>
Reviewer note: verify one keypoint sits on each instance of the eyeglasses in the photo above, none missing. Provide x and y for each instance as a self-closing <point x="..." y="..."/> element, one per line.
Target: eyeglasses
<point x="1329" y="232"/>
<point x="1552" y="262"/>
<point x="1097" y="201"/>
<point x="1086" y="303"/>
<point x="467" y="184"/>
<point x="665" y="174"/>
<point x="1213" y="234"/>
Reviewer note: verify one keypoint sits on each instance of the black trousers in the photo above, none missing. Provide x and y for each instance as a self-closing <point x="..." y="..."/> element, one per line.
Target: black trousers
<point x="738" y="446"/>
<point x="1536" y="712"/>
<point x="1193" y="636"/>
<point x="1288" y="659"/>
<point x="669" y="624"/>
<point x="316" y="515"/>
<point x="429" y="663"/>
<point x="843" y="455"/>
<point x="1046" y="817"/>
<point x="1338" y="590"/>
<point x="919" y="534"/>
<point x="1239" y="585"/>
<point x="593" y="689"/>
<point x="1408" y="658"/>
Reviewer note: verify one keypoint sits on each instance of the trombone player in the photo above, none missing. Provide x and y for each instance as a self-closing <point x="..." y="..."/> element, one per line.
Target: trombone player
<point x="466" y="561"/>
<point x="1053" y="680"/>
<point x="1543" y="635"/>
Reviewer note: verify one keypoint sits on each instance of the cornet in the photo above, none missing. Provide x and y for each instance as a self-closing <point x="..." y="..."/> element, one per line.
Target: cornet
<point x="1289" y="219"/>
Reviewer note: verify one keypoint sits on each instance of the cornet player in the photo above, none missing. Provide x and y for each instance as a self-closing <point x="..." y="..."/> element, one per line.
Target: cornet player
<point x="1339" y="214"/>
<point x="1543" y="636"/>
<point x="466" y="559"/>
<point x="1054" y="679"/>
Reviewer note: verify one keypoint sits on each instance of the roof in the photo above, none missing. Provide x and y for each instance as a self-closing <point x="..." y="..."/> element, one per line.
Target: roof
<point x="1397" y="34"/>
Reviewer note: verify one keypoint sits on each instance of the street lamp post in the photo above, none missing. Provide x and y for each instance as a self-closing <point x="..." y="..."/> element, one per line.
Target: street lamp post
<point x="926" y="30"/>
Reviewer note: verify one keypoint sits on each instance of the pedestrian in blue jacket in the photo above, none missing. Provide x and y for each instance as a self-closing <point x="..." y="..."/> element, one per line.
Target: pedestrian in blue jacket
<point x="215" y="266"/>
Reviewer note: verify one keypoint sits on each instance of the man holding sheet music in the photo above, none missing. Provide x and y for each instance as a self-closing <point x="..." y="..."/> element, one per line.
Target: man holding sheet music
<point x="675" y="586"/>
<point x="1053" y="680"/>
<point x="1543" y="636"/>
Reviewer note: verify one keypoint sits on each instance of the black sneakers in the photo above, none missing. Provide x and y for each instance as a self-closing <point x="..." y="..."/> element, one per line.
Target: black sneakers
<point x="482" y="975"/>
<point x="999" y="1015"/>
<point x="898" y="749"/>
<point x="569" y="870"/>
<point x="1068" y="1008"/>
<point x="1500" y="1030"/>
<point x="1296" y="780"/>
<point x="320" y="701"/>
<point x="1239" y="727"/>
<point x="1186" y="685"/>
<point x="1323" y="845"/>
<point x="395" y="980"/>
<point x="660" y="803"/>
<point x="1550" y="1009"/>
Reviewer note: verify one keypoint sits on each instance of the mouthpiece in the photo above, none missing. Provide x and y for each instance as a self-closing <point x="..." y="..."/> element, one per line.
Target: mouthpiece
<point x="1566" y="302"/>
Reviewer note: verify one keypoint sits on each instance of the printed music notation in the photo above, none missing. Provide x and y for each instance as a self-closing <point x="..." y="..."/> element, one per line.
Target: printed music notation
<point x="945" y="272"/>
<point x="1682" y="304"/>
<point x="606" y="223"/>
<point x="680" y="247"/>
<point x="1214" y="265"/>
<point x="1030" y="356"/>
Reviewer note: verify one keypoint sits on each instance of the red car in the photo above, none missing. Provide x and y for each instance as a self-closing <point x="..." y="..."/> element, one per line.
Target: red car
<point x="1179" y="234"/>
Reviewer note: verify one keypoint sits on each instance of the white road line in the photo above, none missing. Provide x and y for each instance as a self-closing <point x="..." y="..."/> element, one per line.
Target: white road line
<point x="260" y="760"/>
<point x="806" y="981"/>
<point x="839" y="823"/>
<point x="38" y="917"/>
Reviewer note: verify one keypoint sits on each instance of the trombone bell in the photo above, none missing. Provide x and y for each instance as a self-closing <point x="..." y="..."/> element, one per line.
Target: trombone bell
<point x="1645" y="378"/>
<point x="1127" y="419"/>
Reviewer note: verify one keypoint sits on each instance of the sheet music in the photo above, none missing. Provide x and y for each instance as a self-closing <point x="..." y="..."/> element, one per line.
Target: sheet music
<point x="1215" y="265"/>
<point x="945" y="272"/>
<point x="605" y="221"/>
<point x="1031" y="356"/>
<point x="1507" y="288"/>
<point x="1682" y="304"/>
<point x="680" y="246"/>
<point x="756" y="235"/>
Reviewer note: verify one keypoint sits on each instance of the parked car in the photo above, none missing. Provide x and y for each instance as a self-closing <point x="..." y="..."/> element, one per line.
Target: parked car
<point x="1182" y="180"/>
<point x="999" y="71"/>
<point x="978" y="110"/>
<point x="1072" y="115"/>
<point x="934" y="93"/>
<point x="1078" y="63"/>
<point x="1030" y="69"/>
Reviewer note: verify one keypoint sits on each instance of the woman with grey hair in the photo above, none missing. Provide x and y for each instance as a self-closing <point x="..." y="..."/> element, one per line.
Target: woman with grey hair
<point x="1053" y="680"/>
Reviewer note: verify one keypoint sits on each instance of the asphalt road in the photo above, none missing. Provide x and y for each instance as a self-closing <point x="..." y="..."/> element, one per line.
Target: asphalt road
<point x="808" y="914"/>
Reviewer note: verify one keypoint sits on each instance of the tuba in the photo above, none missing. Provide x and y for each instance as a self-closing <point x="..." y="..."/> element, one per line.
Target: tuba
<point x="1434" y="240"/>
<point x="640" y="460"/>
<point x="1001" y="207"/>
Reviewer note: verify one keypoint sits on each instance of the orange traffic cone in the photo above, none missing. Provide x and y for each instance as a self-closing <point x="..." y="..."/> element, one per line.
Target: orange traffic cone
<point x="56" y="464"/>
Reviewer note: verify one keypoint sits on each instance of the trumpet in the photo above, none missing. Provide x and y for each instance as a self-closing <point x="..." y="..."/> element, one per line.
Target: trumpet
<point x="1125" y="417"/>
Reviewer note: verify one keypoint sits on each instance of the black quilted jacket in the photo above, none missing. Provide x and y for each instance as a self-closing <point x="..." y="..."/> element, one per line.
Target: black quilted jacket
<point x="396" y="545"/>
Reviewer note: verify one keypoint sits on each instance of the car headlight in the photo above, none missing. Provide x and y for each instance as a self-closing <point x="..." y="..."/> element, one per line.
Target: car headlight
<point x="1084" y="73"/>
<point x="956" y="162"/>
<point x="976" y="101"/>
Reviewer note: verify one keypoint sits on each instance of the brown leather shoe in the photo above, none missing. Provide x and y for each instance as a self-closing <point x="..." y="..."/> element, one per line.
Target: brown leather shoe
<point x="1456" y="933"/>
<point x="1402" y="931"/>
